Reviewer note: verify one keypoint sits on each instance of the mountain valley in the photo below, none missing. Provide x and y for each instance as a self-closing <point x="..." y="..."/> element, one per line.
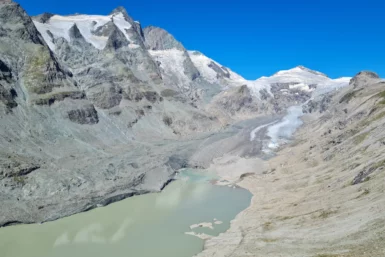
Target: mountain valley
<point x="95" y="109"/>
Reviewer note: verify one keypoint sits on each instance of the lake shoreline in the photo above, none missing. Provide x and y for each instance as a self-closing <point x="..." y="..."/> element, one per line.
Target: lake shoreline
<point x="129" y="224"/>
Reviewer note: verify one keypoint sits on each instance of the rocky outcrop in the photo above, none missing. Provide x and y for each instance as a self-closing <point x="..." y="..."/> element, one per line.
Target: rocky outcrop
<point x="13" y="166"/>
<point x="237" y="103"/>
<point x="116" y="39"/>
<point x="321" y="104"/>
<point x="44" y="17"/>
<point x="159" y="39"/>
<point x="221" y="73"/>
<point x="7" y="97"/>
<point x="24" y="52"/>
<point x="85" y="115"/>
<point x="135" y="32"/>
<point x="51" y="98"/>
<point x="75" y="34"/>
<point x="286" y="95"/>
<point x="364" y="78"/>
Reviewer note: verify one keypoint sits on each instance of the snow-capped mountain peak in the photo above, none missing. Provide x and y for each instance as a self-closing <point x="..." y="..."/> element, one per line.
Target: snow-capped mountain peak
<point x="53" y="27"/>
<point x="299" y="73"/>
<point x="301" y="69"/>
<point x="302" y="78"/>
<point x="179" y="67"/>
<point x="297" y="78"/>
<point x="311" y="71"/>
<point x="214" y="72"/>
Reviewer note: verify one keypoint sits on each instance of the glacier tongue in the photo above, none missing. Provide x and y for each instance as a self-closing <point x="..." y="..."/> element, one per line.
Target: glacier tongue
<point x="282" y="131"/>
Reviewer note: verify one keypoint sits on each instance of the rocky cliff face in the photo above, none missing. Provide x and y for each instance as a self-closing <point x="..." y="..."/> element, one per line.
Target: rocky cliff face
<point x="87" y="102"/>
<point x="75" y="118"/>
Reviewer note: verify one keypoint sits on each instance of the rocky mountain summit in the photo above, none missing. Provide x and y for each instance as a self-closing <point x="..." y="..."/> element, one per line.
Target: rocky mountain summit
<point x="95" y="109"/>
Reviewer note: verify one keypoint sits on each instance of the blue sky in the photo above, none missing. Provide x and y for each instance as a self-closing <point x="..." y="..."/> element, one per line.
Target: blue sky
<point x="257" y="38"/>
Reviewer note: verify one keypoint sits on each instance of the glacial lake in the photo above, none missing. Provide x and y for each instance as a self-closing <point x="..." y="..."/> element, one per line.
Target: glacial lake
<point x="151" y="225"/>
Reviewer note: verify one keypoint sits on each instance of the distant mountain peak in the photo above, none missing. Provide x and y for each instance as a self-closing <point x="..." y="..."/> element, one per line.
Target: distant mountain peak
<point x="311" y="71"/>
<point x="195" y="53"/>
<point x="300" y="69"/>
<point x="119" y="9"/>
<point x="43" y="18"/>
<point x="364" y="78"/>
<point x="123" y="11"/>
<point x="160" y="39"/>
<point x="116" y="39"/>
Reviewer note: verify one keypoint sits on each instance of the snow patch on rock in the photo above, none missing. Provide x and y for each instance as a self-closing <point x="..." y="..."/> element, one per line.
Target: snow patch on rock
<point x="58" y="27"/>
<point x="171" y="61"/>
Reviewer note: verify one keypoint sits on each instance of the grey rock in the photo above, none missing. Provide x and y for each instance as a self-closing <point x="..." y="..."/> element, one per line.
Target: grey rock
<point x="43" y="18"/>
<point x="167" y="120"/>
<point x="32" y="64"/>
<point x="285" y="97"/>
<point x="13" y="13"/>
<point x="5" y="72"/>
<point x="59" y="96"/>
<point x="312" y="71"/>
<point x="237" y="101"/>
<point x="364" y="78"/>
<point x="75" y="34"/>
<point x="264" y="94"/>
<point x="320" y="104"/>
<point x="362" y="176"/>
<point x="152" y="96"/>
<point x="106" y="30"/>
<point x="221" y="73"/>
<point x="85" y="115"/>
<point x="189" y="69"/>
<point x="137" y="28"/>
<point x="105" y="96"/>
<point x="16" y="166"/>
<point x="7" y="97"/>
<point x="159" y="39"/>
<point x="177" y="162"/>
<point x="116" y="39"/>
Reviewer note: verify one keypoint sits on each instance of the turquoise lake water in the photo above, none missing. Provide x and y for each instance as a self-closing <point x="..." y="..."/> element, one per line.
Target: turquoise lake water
<point x="151" y="225"/>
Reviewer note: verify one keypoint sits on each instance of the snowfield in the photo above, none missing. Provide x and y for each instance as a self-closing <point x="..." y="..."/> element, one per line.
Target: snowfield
<point x="299" y="78"/>
<point x="59" y="26"/>
<point x="171" y="61"/>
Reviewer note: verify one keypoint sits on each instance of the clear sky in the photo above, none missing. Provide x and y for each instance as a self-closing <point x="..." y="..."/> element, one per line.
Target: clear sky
<point x="257" y="38"/>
